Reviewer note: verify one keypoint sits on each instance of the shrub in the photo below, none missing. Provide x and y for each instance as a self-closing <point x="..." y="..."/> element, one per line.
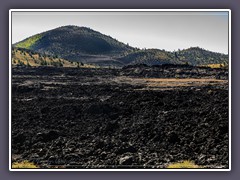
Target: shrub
<point x="183" y="165"/>
<point x="24" y="164"/>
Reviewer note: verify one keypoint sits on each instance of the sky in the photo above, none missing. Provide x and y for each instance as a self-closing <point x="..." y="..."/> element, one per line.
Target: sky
<point x="162" y="30"/>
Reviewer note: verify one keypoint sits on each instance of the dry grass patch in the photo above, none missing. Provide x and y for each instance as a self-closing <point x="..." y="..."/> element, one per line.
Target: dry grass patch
<point x="183" y="165"/>
<point x="23" y="165"/>
<point x="223" y="65"/>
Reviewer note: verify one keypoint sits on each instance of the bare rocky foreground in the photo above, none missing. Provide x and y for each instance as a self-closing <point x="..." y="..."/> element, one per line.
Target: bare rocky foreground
<point x="135" y="117"/>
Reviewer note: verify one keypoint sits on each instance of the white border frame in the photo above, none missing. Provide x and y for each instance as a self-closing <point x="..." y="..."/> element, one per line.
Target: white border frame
<point x="115" y="10"/>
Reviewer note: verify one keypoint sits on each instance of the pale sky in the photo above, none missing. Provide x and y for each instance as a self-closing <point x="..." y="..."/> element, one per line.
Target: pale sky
<point x="161" y="30"/>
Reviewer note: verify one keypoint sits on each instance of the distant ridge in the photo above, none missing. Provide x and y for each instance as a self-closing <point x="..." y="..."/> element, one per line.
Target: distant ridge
<point x="192" y="56"/>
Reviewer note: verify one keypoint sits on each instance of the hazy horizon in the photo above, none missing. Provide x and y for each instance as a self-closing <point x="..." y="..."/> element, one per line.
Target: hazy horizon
<point x="161" y="30"/>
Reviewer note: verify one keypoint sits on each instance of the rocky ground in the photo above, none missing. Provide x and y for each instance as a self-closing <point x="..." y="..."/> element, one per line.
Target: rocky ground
<point x="117" y="118"/>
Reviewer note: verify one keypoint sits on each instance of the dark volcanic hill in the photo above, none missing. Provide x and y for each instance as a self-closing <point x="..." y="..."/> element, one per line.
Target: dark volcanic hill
<point x="76" y="43"/>
<point x="150" y="57"/>
<point x="193" y="56"/>
<point x="88" y="46"/>
<point x="200" y="56"/>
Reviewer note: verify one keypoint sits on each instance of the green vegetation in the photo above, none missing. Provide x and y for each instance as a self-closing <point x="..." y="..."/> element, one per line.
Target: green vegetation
<point x="183" y="165"/>
<point x="29" y="42"/>
<point x="57" y="64"/>
<point x="28" y="64"/>
<point x="24" y="164"/>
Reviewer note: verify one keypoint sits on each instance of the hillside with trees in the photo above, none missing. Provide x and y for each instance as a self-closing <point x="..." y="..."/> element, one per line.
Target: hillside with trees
<point x="200" y="56"/>
<point x="25" y="57"/>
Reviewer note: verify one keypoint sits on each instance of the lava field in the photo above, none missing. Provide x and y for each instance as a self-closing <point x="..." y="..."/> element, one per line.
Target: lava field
<point x="120" y="118"/>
